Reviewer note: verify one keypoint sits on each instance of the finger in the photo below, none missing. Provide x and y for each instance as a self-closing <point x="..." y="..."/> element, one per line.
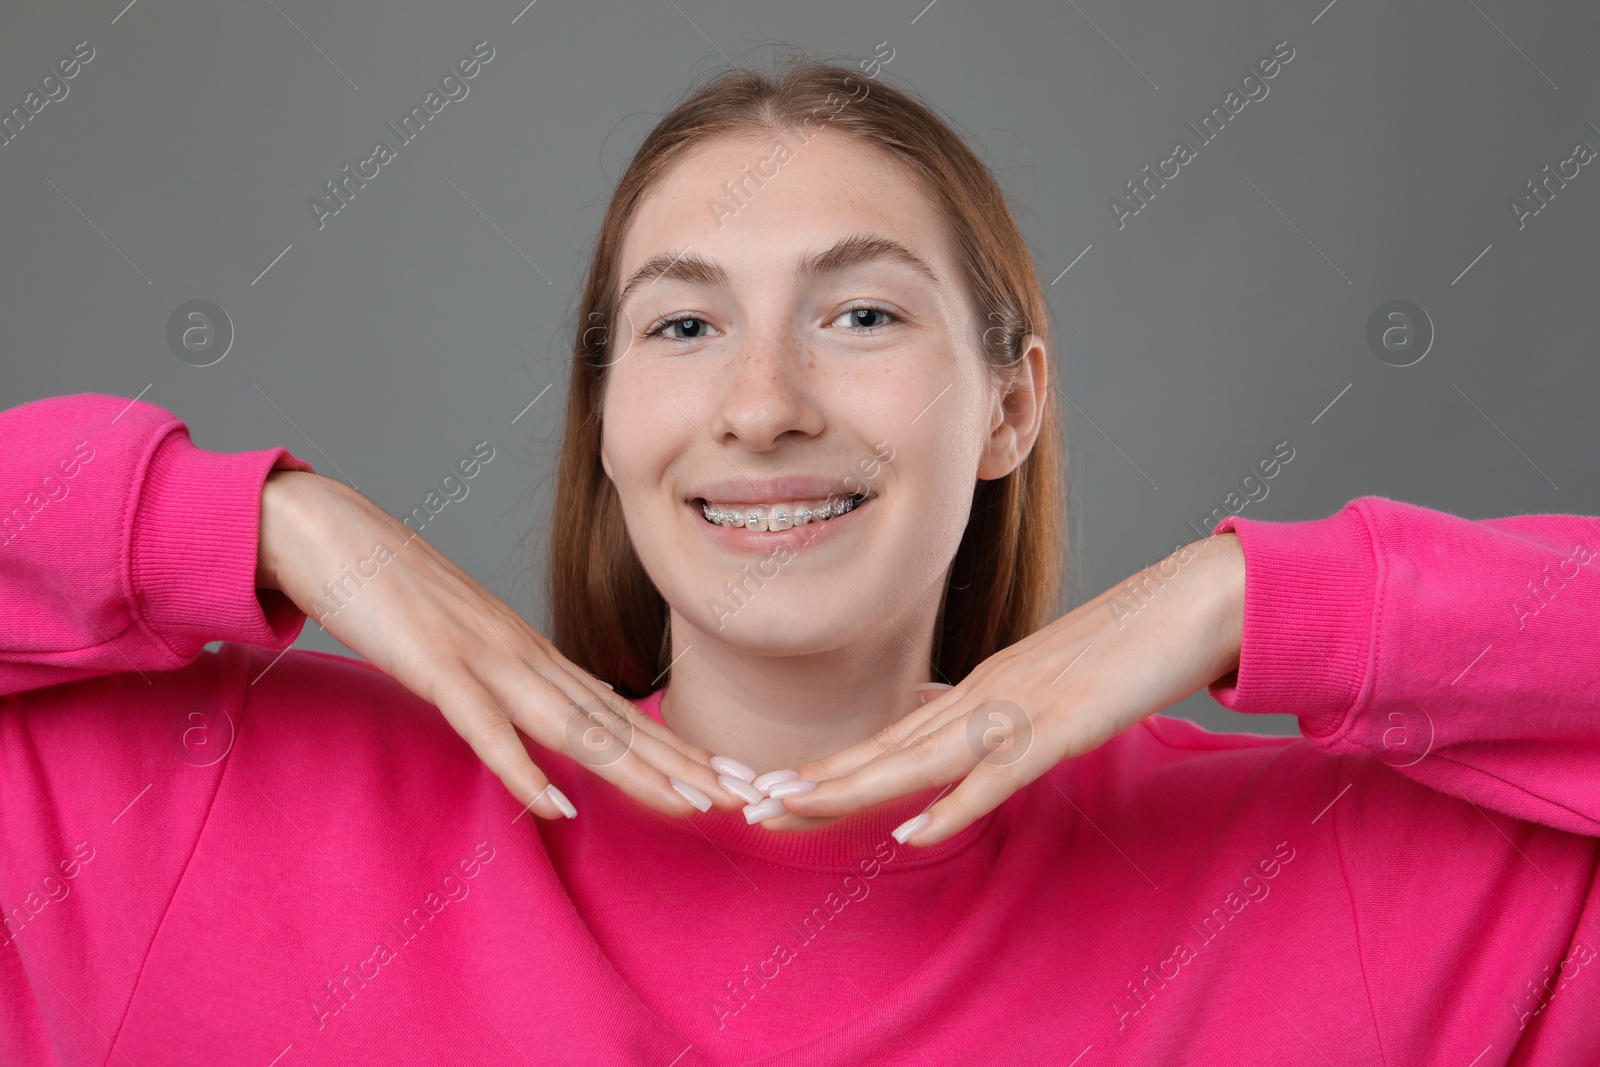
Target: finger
<point x="984" y="788"/>
<point x="601" y="741"/>
<point x="472" y="712"/>
<point x="913" y="723"/>
<point x="660" y="746"/>
<point x="931" y="759"/>
<point x="614" y="744"/>
<point x="1001" y="735"/>
<point x="601" y="728"/>
<point x="943" y="704"/>
<point x="555" y="669"/>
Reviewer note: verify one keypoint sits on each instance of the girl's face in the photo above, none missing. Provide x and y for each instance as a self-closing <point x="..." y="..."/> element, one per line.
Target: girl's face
<point x="787" y="339"/>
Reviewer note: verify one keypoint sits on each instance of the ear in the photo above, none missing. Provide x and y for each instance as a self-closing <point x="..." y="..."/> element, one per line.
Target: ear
<point x="1019" y="414"/>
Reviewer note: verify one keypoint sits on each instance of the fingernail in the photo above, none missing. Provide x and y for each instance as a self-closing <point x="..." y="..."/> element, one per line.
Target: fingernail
<point x="911" y="826"/>
<point x="771" y="778"/>
<point x="769" y="807"/>
<point x="691" y="794"/>
<point x="561" y="801"/>
<point x="791" y="788"/>
<point x="608" y="685"/>
<point x="732" y="767"/>
<point x="740" y="788"/>
<point x="927" y="689"/>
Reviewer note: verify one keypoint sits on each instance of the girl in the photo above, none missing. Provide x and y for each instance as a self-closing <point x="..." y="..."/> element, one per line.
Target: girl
<point x="856" y="796"/>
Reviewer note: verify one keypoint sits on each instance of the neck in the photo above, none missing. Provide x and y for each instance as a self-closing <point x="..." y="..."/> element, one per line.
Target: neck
<point x="772" y="712"/>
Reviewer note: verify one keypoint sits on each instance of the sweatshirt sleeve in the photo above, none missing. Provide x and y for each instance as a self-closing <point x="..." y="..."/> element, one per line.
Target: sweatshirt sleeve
<point x="123" y="546"/>
<point x="1465" y="654"/>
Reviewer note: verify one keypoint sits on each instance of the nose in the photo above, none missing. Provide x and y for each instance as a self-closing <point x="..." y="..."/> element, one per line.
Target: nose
<point x="766" y="393"/>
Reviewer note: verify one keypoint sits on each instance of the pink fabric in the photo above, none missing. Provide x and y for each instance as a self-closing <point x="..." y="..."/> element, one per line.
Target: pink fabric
<point x="230" y="857"/>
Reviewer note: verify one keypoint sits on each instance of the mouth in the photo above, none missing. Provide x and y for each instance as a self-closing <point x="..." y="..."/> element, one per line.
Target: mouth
<point x="777" y="517"/>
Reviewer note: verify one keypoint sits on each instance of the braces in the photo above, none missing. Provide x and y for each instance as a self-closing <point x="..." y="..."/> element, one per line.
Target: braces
<point x="762" y="519"/>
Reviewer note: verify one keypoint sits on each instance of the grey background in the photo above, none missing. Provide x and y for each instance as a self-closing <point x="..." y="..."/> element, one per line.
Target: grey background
<point x="1226" y="317"/>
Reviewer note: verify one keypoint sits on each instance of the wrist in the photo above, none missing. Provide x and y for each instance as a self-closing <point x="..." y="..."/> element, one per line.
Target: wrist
<point x="1225" y="585"/>
<point x="280" y="495"/>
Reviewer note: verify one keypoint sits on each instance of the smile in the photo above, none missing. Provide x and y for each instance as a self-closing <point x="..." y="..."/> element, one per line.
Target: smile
<point x="762" y="518"/>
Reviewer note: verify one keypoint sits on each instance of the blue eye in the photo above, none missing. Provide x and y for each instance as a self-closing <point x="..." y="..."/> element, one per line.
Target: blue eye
<point x="857" y="314"/>
<point x="694" y="334"/>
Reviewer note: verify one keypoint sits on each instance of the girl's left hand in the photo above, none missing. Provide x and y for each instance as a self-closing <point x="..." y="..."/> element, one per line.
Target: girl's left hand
<point x="1064" y="690"/>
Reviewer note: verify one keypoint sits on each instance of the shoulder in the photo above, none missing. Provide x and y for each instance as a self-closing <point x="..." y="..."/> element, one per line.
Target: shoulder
<point x="342" y="718"/>
<point x="1173" y="772"/>
<point x="333" y="748"/>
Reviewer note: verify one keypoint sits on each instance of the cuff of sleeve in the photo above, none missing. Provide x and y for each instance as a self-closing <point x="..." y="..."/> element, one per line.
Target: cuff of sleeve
<point x="1310" y="592"/>
<point x="194" y="547"/>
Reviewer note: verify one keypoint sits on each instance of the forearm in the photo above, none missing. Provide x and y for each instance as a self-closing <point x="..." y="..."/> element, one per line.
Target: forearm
<point x="130" y="547"/>
<point x="1462" y="653"/>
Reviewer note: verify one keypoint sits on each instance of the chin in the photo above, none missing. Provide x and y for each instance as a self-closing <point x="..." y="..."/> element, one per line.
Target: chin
<point x="777" y="626"/>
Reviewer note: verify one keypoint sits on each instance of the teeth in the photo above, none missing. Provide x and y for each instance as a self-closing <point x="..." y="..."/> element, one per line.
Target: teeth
<point x="774" y="517"/>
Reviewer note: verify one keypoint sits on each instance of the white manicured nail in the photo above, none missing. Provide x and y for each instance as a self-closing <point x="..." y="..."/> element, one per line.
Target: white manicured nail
<point x="765" y="781"/>
<point x="608" y="685"/>
<point x="691" y="794"/>
<point x="561" y="801"/>
<point x="911" y="826"/>
<point x="791" y="788"/>
<point x="729" y="766"/>
<point x="769" y="807"/>
<point x="740" y="788"/>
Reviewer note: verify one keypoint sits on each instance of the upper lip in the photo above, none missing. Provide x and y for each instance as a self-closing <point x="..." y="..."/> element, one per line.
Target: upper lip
<point x="775" y="490"/>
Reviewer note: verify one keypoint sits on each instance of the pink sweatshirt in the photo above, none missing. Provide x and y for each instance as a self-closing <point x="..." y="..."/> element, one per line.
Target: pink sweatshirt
<point x="243" y="857"/>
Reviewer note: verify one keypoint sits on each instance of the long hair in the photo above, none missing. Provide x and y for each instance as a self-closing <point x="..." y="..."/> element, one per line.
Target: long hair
<point x="606" y="614"/>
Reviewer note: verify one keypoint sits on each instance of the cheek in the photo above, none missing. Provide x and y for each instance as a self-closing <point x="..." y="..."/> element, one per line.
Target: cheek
<point x="626" y="437"/>
<point x="932" y="473"/>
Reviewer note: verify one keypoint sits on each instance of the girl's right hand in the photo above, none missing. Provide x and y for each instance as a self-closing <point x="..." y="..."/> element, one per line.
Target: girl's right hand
<point x="397" y="601"/>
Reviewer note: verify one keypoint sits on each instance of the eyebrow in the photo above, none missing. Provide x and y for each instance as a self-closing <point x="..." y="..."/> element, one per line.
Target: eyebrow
<point x="847" y="252"/>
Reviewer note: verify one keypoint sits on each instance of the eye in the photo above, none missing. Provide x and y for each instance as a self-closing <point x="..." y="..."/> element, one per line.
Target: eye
<point x="860" y="317"/>
<point x="694" y="326"/>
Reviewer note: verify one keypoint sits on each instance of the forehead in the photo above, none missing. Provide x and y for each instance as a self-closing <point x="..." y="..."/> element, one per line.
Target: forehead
<point x="758" y="202"/>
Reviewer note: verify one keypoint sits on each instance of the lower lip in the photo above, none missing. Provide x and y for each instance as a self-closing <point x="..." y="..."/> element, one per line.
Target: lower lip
<point x="766" y="542"/>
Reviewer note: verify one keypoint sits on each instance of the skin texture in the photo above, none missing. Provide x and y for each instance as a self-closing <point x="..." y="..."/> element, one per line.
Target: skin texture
<point x="426" y="623"/>
<point x="1063" y="690"/>
<point x="780" y="381"/>
<point x="774" y="377"/>
<point x="771" y="373"/>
